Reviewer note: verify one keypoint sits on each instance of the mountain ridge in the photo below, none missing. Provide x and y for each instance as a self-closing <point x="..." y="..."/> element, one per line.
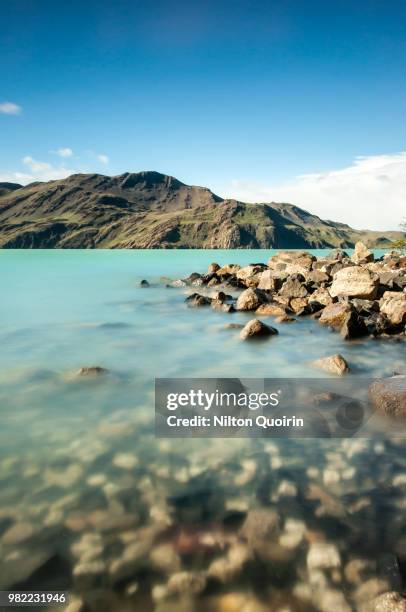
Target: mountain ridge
<point x="153" y="210"/>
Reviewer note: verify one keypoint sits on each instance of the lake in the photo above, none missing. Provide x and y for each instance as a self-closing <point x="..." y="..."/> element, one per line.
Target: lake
<point x="93" y="503"/>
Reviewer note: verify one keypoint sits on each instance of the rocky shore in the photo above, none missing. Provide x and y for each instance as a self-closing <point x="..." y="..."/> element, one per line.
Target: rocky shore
<point x="356" y="296"/>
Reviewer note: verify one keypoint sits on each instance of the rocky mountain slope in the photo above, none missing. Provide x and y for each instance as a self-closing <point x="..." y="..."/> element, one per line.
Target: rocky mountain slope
<point x="152" y="210"/>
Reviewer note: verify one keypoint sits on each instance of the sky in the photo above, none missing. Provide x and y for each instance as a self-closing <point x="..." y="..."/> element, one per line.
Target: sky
<point x="300" y="101"/>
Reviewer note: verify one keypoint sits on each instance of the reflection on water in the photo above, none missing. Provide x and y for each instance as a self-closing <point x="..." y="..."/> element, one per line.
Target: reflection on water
<point x="92" y="502"/>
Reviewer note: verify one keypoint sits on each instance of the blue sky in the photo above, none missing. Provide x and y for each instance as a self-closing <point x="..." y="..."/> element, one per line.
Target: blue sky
<point x="243" y="97"/>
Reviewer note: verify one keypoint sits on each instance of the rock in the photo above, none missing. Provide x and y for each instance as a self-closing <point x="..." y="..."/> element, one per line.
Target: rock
<point x="272" y="309"/>
<point x="178" y="283"/>
<point x="332" y="599"/>
<point x="234" y="326"/>
<point x="213" y="268"/>
<point x="191" y="583"/>
<point x="164" y="558"/>
<point x="227" y="567"/>
<point x="393" y="305"/>
<point x="250" y="274"/>
<point x="334" y="364"/>
<point x="368" y="591"/>
<point x="334" y="315"/>
<point x="358" y="570"/>
<point x="337" y="255"/>
<point x="240" y="602"/>
<point x="18" y="533"/>
<point x="144" y="284"/>
<point x="250" y="299"/>
<point x="354" y="282"/>
<point x="267" y="281"/>
<point x="299" y="305"/>
<point x="20" y="566"/>
<point x="64" y="478"/>
<point x="213" y="282"/>
<point x="125" y="461"/>
<point x="322" y="296"/>
<point x="92" y="371"/>
<point x="388" y="602"/>
<point x="259" y="526"/>
<point x="256" y="329"/>
<point x="388" y="396"/>
<point x="89" y="573"/>
<point x="195" y="300"/>
<point x="132" y="559"/>
<point x="292" y="262"/>
<point x="361" y="254"/>
<point x="221" y="306"/>
<point x="294" y="287"/>
<point x="227" y="270"/>
<point x="285" y="319"/>
<point x="323" y="555"/>
<point x="353" y="327"/>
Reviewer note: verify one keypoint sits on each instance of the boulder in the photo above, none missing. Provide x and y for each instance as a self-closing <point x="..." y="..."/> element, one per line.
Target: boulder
<point x="227" y="270"/>
<point x="294" y="287"/>
<point x="323" y="555"/>
<point x="292" y="262"/>
<point x="299" y="305"/>
<point x="337" y="255"/>
<point x="317" y="277"/>
<point x="195" y="300"/>
<point x="322" y="296"/>
<point x="361" y="254"/>
<point x="393" y="305"/>
<point x="144" y="284"/>
<point x="213" y="267"/>
<point x="256" y="329"/>
<point x="354" y="282"/>
<point x="334" y="364"/>
<point x="388" y="396"/>
<point x="334" y="315"/>
<point x="391" y="601"/>
<point x="272" y="309"/>
<point x="250" y="299"/>
<point x="353" y="327"/>
<point x="268" y="282"/>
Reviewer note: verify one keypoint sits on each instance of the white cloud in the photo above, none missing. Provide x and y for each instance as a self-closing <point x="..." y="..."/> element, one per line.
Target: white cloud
<point x="103" y="159"/>
<point x="37" y="171"/>
<point x="370" y="193"/>
<point x="63" y="152"/>
<point x="10" y="108"/>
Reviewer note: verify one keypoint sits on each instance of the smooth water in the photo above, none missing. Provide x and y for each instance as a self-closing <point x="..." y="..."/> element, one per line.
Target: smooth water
<point x="79" y="457"/>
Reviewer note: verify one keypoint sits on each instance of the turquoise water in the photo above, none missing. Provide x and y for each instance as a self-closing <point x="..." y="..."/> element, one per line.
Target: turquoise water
<point x="60" y="437"/>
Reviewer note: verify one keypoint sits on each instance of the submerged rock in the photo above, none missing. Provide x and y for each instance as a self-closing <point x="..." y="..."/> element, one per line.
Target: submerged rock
<point x="256" y="329"/>
<point x="323" y="555"/>
<point x="144" y="284"/>
<point x="389" y="396"/>
<point x="334" y="364"/>
<point x="91" y="371"/>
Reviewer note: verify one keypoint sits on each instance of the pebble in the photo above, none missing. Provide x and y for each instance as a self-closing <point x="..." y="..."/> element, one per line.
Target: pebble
<point x="125" y="461"/>
<point x="323" y="555"/>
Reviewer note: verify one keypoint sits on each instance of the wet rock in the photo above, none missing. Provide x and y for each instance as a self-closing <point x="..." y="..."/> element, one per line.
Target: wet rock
<point x="164" y="558"/>
<point x="91" y="371"/>
<point x="64" y="479"/>
<point x="334" y="315"/>
<point x="227" y="567"/>
<point x="285" y="319"/>
<point x="190" y="583"/>
<point x="323" y="555"/>
<point x="234" y="326"/>
<point x="293" y="533"/>
<point x="125" y="461"/>
<point x="131" y="560"/>
<point x="256" y="329"/>
<point x="354" y="282"/>
<point x="299" y="305"/>
<point x="259" y="526"/>
<point x="18" y="533"/>
<point x="195" y="300"/>
<point x="334" y="364"/>
<point x="213" y="267"/>
<point x="213" y="282"/>
<point x="353" y="327"/>
<point x="222" y="306"/>
<point x="144" y="284"/>
<point x="250" y="299"/>
<point x="389" y="396"/>
<point x="361" y="254"/>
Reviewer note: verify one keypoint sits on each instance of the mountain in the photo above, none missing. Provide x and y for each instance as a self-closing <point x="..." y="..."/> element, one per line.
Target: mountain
<point x="152" y="210"/>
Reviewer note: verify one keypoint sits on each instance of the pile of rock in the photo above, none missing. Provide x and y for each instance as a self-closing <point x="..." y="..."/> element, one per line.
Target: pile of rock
<point x="357" y="295"/>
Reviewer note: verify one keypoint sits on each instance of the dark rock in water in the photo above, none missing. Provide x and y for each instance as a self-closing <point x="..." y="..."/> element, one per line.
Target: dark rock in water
<point x="195" y="300"/>
<point x="193" y="277"/>
<point x="234" y="326"/>
<point x="257" y="329"/>
<point x="216" y="304"/>
<point x="92" y="371"/>
<point x="378" y="324"/>
<point x="144" y="283"/>
<point x="389" y="396"/>
<point x="353" y="327"/>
